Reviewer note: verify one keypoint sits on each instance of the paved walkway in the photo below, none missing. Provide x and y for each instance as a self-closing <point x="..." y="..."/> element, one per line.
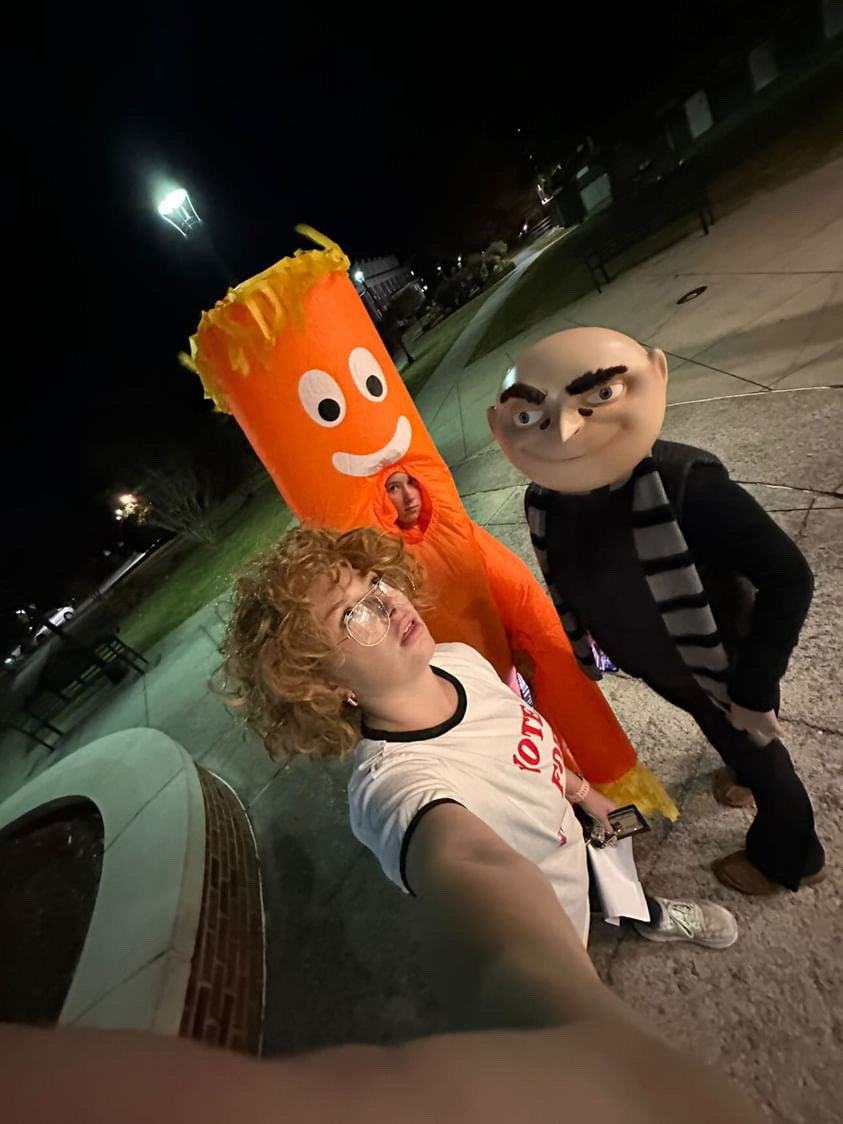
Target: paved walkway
<point x="344" y="960"/>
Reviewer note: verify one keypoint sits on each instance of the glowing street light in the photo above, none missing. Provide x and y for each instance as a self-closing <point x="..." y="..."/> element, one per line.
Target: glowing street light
<point x="176" y="208"/>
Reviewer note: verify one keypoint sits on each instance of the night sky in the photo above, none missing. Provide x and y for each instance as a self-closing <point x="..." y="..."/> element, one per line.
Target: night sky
<point x="384" y="137"/>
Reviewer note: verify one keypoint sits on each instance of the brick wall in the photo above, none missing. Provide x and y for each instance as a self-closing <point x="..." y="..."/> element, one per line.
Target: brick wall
<point x="224" y="1001"/>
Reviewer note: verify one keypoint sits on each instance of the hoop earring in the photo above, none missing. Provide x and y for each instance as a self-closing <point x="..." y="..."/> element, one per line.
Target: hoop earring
<point x="351" y="700"/>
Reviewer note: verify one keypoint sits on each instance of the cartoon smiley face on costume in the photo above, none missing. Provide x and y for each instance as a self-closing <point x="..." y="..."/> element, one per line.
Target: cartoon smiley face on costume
<point x="318" y="397"/>
<point x="325" y="403"/>
<point x="581" y="408"/>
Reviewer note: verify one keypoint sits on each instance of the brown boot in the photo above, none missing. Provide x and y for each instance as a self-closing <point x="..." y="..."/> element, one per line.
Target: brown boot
<point x="738" y="873"/>
<point x="727" y="790"/>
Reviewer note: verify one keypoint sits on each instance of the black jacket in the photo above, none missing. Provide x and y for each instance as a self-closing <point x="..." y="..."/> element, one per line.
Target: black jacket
<point x="758" y="582"/>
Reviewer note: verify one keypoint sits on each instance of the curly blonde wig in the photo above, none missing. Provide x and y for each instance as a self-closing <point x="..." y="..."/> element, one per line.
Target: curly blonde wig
<point x="279" y="664"/>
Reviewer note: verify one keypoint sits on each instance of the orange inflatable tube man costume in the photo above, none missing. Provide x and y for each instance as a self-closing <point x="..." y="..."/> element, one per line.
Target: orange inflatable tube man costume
<point x="294" y="356"/>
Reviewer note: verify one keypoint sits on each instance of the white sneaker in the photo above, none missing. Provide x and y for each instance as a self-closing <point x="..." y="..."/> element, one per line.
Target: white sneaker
<point x="701" y="922"/>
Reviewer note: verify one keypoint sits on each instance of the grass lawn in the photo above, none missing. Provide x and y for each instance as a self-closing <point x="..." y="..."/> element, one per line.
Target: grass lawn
<point x="431" y="348"/>
<point x="553" y="280"/>
<point x="204" y="572"/>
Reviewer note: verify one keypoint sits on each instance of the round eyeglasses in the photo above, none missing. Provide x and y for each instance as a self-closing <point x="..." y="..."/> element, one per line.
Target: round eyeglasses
<point x="367" y="622"/>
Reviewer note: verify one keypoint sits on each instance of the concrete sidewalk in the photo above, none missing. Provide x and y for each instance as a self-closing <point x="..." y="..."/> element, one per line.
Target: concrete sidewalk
<point x="344" y="959"/>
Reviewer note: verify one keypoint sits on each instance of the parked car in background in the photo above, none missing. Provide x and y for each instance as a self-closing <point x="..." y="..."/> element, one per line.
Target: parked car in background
<point x="57" y="617"/>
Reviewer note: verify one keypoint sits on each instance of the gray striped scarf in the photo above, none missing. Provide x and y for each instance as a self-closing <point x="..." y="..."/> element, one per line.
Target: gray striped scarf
<point x="670" y="574"/>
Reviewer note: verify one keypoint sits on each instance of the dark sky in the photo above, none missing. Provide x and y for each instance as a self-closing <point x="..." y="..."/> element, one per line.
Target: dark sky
<point x="370" y="133"/>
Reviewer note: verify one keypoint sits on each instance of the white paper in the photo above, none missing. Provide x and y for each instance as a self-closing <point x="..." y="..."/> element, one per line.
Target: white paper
<point x="616" y="880"/>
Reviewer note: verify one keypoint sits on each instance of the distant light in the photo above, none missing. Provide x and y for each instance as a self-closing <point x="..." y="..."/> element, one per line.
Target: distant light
<point x="176" y="208"/>
<point x="129" y="505"/>
<point x="359" y="276"/>
<point x="459" y="259"/>
<point x="412" y="273"/>
<point x="525" y="228"/>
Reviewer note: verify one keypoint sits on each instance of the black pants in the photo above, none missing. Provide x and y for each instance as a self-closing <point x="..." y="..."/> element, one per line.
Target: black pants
<point x="781" y="841"/>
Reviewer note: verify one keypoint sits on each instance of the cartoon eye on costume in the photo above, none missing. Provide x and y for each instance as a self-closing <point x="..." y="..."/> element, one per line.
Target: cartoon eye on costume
<point x="321" y="397"/>
<point x="367" y="374"/>
<point x="523" y="419"/>
<point x="609" y="393"/>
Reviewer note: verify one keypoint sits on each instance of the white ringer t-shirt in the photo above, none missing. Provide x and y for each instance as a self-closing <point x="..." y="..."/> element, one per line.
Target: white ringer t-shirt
<point x="497" y="757"/>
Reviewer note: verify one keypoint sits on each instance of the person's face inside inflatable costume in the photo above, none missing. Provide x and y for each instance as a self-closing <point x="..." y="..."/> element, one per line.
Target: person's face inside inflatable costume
<point x="405" y="494"/>
<point x="580" y="409"/>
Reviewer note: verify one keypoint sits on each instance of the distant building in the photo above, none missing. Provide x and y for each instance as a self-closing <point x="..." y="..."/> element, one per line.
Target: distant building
<point x="378" y="279"/>
<point x="801" y="39"/>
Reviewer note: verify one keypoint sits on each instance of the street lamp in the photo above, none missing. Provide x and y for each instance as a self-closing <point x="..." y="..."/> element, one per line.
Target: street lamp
<point x="176" y="208"/>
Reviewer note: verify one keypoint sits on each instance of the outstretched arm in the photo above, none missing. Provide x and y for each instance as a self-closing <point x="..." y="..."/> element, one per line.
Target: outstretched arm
<point x="497" y="919"/>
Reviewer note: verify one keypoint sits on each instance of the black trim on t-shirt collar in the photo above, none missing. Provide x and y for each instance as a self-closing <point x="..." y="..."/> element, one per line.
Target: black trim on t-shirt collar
<point x="432" y="731"/>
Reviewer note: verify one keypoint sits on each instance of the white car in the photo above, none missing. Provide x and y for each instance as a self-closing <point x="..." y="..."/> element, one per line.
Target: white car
<point x="57" y="618"/>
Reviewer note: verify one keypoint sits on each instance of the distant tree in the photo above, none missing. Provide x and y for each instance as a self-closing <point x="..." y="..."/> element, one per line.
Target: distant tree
<point x="407" y="303"/>
<point x="476" y="264"/>
<point x="176" y="496"/>
<point x="451" y="293"/>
